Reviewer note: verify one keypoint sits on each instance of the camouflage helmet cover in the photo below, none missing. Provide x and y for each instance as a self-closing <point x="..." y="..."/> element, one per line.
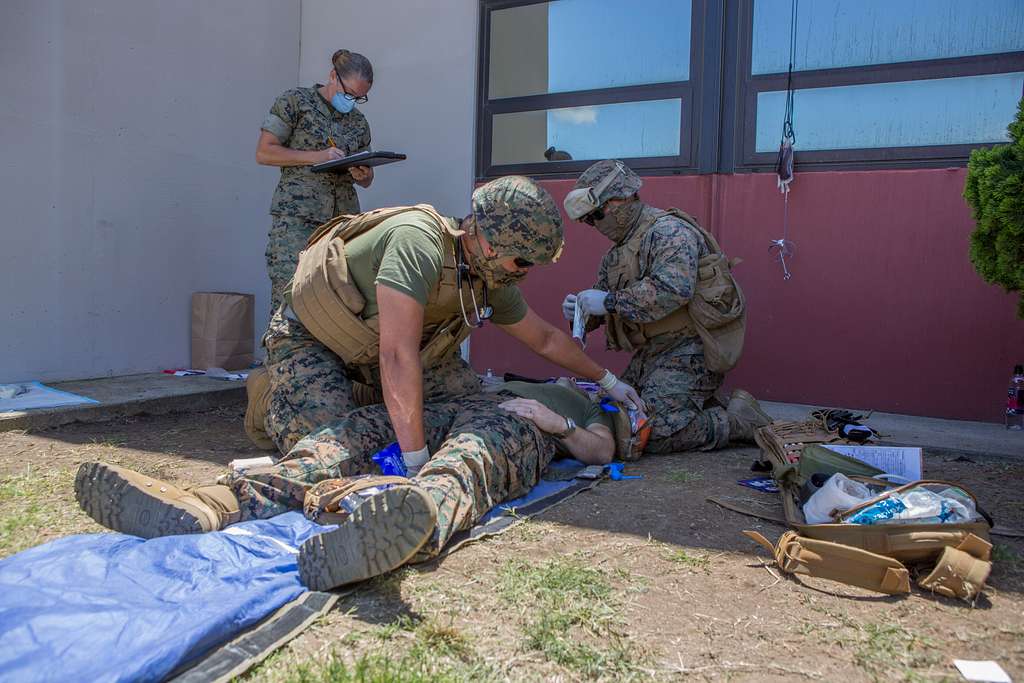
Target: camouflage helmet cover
<point x="621" y="186"/>
<point x="519" y="218"/>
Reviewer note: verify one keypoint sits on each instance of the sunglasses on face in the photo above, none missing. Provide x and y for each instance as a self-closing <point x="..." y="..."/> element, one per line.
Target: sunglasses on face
<point x="595" y="215"/>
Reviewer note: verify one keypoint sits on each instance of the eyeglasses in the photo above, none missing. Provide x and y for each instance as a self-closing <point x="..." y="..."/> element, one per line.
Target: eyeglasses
<point x="595" y="215"/>
<point x="360" y="99"/>
<point x="523" y="263"/>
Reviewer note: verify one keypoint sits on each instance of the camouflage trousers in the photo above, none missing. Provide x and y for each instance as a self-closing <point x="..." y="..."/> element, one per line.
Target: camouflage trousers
<point x="676" y="384"/>
<point x="287" y="237"/>
<point x="482" y="456"/>
<point x="311" y="386"/>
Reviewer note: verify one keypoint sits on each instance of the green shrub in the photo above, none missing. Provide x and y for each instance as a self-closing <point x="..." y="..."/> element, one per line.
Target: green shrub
<point x="995" y="192"/>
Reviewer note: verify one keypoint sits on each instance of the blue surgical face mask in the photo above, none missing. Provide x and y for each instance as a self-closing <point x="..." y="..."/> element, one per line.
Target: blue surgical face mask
<point x="342" y="103"/>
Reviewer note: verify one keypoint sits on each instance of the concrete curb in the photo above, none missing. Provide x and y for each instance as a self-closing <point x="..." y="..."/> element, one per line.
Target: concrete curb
<point x="153" y="394"/>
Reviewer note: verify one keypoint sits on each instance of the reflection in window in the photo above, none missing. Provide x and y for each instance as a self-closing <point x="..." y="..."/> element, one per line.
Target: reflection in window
<point x="629" y="129"/>
<point x="841" y="33"/>
<point x="945" y="111"/>
<point x="571" y="45"/>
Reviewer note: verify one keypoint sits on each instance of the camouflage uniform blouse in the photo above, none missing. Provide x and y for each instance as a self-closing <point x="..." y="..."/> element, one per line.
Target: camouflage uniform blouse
<point x="302" y="119"/>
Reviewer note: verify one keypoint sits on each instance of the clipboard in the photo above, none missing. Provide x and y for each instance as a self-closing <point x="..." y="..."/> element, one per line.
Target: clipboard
<point x="359" y="159"/>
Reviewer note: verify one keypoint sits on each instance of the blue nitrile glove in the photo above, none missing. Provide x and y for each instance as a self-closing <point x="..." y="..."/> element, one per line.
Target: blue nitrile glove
<point x="615" y="472"/>
<point x="390" y="461"/>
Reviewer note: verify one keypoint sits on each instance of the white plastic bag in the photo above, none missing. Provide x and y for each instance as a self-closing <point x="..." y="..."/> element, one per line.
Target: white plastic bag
<point x="839" y="493"/>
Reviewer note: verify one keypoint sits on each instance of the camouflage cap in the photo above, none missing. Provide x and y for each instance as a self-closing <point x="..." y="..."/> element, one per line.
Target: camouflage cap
<point x="622" y="187"/>
<point x="519" y="218"/>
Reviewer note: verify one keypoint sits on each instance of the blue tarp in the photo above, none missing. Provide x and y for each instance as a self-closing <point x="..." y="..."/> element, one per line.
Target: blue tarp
<point x="111" y="607"/>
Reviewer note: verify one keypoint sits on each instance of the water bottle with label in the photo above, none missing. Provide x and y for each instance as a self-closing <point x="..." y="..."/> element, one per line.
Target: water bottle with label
<point x="1015" y="400"/>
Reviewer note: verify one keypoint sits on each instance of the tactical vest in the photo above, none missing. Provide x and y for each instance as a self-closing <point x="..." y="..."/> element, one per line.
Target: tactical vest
<point x="716" y="313"/>
<point x="329" y="304"/>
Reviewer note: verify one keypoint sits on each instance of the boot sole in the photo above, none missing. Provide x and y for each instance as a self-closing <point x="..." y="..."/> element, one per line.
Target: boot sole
<point x="118" y="504"/>
<point x="753" y="403"/>
<point x="381" y="535"/>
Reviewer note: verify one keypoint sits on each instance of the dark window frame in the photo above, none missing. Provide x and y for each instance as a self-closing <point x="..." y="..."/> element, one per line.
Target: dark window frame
<point x="694" y="140"/>
<point x="746" y="86"/>
<point x="719" y="103"/>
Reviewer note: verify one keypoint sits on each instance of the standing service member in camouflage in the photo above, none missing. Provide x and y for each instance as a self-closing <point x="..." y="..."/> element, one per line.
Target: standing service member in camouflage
<point x="308" y="126"/>
<point x="488" y="449"/>
<point x="381" y="301"/>
<point x="644" y="287"/>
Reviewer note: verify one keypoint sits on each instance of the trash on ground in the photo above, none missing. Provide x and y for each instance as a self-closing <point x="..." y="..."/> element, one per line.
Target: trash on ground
<point x="765" y="484"/>
<point x="981" y="670"/>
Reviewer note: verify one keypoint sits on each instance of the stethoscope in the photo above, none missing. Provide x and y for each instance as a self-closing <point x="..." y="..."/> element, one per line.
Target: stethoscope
<point x="482" y="313"/>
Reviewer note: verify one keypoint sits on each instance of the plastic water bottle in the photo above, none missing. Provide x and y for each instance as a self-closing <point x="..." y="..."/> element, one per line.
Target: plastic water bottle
<point x="1015" y="400"/>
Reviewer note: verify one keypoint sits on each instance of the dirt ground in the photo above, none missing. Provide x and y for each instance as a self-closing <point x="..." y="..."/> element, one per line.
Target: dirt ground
<point x="634" y="580"/>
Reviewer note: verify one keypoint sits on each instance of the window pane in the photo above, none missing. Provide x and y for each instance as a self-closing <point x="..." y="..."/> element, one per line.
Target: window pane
<point x="629" y="129"/>
<point x="944" y="111"/>
<point x="586" y="44"/>
<point x="838" y="33"/>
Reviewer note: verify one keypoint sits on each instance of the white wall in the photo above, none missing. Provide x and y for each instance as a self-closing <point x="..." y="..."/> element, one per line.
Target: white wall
<point x="422" y="104"/>
<point x="127" y="173"/>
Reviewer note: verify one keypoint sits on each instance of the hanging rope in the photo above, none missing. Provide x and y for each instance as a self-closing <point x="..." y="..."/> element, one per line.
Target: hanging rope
<point x="783" y="248"/>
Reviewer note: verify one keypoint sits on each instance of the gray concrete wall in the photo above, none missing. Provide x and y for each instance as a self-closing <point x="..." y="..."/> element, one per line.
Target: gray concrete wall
<point x="127" y="173"/>
<point x="422" y="103"/>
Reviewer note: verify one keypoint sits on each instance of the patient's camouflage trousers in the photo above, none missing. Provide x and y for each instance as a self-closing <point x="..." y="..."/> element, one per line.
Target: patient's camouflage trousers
<point x="311" y="386"/>
<point x="675" y="382"/>
<point x="481" y="457"/>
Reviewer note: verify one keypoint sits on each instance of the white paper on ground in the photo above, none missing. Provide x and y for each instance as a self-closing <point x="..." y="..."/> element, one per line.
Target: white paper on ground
<point x="982" y="670"/>
<point x="38" y="395"/>
<point x="903" y="461"/>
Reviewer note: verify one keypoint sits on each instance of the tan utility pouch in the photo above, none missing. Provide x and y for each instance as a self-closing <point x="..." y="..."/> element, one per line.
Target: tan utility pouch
<point x="324" y="503"/>
<point x="257" y="390"/>
<point x="327" y="302"/>
<point x="798" y="555"/>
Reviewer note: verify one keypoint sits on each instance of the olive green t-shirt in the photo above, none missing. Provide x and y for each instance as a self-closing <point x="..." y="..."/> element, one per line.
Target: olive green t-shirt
<point x="562" y="400"/>
<point x="406" y="254"/>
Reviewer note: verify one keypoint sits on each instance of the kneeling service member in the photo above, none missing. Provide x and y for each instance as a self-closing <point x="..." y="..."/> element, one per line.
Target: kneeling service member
<point x="644" y="288"/>
<point x="488" y="448"/>
<point x="381" y="301"/>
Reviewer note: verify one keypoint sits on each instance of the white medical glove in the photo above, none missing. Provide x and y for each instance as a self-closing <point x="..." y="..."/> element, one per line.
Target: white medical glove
<point x="569" y="307"/>
<point x="620" y="391"/>
<point x="592" y="301"/>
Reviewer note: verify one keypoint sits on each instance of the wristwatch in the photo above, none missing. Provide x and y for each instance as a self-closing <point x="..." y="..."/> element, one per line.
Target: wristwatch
<point x="570" y="427"/>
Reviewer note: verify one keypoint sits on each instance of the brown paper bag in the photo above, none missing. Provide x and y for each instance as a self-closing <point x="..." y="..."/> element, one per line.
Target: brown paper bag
<point x="222" y="330"/>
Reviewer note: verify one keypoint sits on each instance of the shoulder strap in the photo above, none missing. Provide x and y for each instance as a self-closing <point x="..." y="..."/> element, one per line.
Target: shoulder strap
<point x="709" y="239"/>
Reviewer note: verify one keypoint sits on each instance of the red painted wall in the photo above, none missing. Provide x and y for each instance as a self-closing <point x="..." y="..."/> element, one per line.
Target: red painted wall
<point x="884" y="310"/>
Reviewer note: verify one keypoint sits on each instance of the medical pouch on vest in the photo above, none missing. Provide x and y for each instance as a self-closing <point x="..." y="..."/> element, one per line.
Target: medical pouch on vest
<point x="864" y="554"/>
<point x="329" y="304"/>
<point x="716" y="313"/>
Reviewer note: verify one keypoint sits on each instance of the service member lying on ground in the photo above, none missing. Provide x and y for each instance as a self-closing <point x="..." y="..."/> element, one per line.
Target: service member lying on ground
<point x="487" y="449"/>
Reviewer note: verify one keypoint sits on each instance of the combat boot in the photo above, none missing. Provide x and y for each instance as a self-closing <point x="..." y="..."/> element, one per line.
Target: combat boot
<point x="745" y="415"/>
<point x="384" y="521"/>
<point x="136" y="504"/>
